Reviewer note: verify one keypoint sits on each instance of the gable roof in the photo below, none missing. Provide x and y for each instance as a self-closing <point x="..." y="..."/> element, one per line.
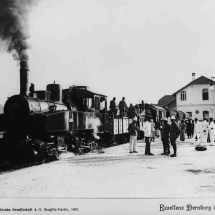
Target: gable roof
<point x="165" y="100"/>
<point x="200" y="80"/>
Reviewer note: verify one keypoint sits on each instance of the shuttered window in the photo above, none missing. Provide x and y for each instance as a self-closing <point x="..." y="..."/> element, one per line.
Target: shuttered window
<point x="183" y="96"/>
<point x="205" y="94"/>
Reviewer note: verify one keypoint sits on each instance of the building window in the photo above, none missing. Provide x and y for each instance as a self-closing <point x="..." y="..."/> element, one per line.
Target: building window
<point x="190" y="115"/>
<point x="205" y="94"/>
<point x="205" y="114"/>
<point x="97" y="103"/>
<point x="183" y="96"/>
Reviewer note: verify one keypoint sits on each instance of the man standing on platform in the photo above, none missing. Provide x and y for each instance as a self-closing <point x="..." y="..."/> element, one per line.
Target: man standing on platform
<point x="133" y="130"/>
<point x="212" y="132"/>
<point x="165" y="132"/>
<point x="174" y="133"/>
<point x="204" y="132"/>
<point x="197" y="130"/>
<point x="147" y="128"/>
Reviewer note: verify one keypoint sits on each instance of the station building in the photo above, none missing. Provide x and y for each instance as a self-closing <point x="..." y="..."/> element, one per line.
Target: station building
<point x="197" y="99"/>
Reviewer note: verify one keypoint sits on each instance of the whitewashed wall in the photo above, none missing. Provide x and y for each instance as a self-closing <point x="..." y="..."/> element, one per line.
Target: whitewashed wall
<point x="194" y="101"/>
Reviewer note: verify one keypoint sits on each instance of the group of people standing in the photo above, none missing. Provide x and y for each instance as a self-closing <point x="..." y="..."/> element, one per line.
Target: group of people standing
<point x="187" y="127"/>
<point x="124" y="110"/>
<point x="169" y="134"/>
<point x="202" y="131"/>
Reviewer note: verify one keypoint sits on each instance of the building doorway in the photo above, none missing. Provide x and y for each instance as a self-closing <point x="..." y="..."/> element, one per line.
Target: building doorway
<point x="205" y="114"/>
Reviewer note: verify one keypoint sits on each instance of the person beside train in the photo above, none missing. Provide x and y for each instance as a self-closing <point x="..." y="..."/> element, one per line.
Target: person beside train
<point x="165" y="133"/>
<point x="174" y="133"/>
<point x="158" y="128"/>
<point x="31" y="90"/>
<point x="131" y="111"/>
<point x="122" y="107"/>
<point x="133" y="130"/>
<point x="147" y="128"/>
<point x="192" y="128"/>
<point x="209" y="136"/>
<point x="142" y="107"/>
<point x="197" y="131"/>
<point x="137" y="110"/>
<point x="113" y="106"/>
<point x="204" y="132"/>
<point x="212" y="131"/>
<point x="153" y="130"/>
<point x="189" y="129"/>
<point x="183" y="129"/>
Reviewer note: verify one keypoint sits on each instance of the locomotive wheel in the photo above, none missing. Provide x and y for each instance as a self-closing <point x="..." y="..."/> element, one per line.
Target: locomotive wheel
<point x="94" y="146"/>
<point x="101" y="144"/>
<point x="61" y="143"/>
<point x="113" y="142"/>
<point x="93" y="143"/>
<point x="56" y="154"/>
<point x="28" y="155"/>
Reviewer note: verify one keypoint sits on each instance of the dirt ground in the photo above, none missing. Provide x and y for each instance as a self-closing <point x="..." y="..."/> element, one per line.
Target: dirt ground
<point x="118" y="174"/>
<point x="115" y="182"/>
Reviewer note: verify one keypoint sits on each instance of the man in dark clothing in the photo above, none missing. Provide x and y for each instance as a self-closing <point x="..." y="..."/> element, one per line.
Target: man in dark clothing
<point x="142" y="106"/>
<point x="165" y="137"/>
<point x="133" y="130"/>
<point x="131" y="111"/>
<point x="31" y="90"/>
<point x="113" y="106"/>
<point x="174" y="133"/>
<point x="122" y="107"/>
<point x="189" y="129"/>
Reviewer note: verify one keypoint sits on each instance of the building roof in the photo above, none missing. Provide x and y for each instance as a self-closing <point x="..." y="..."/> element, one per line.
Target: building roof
<point x="200" y="80"/>
<point x="159" y="108"/>
<point x="165" y="100"/>
<point x="154" y="106"/>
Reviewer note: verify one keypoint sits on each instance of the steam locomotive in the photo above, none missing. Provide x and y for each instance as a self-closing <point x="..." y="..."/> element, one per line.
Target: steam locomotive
<point x="53" y="121"/>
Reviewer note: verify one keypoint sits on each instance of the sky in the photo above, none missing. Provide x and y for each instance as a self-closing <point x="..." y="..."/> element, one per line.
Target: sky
<point x="137" y="49"/>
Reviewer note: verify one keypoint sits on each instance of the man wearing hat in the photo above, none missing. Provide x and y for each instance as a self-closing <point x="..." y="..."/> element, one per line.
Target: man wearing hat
<point x="212" y="131"/>
<point x="113" y="106"/>
<point x="147" y="128"/>
<point x="197" y="130"/>
<point x="204" y="132"/>
<point x="122" y="107"/>
<point x="133" y="130"/>
<point x="165" y="132"/>
<point x="174" y="133"/>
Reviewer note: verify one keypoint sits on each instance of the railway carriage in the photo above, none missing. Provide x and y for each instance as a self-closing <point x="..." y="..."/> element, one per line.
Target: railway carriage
<point x="157" y="112"/>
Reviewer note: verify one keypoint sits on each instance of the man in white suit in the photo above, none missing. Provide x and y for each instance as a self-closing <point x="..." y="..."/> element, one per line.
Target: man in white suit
<point x="204" y="132"/>
<point x="212" y="132"/>
<point x="197" y="130"/>
<point x="147" y="128"/>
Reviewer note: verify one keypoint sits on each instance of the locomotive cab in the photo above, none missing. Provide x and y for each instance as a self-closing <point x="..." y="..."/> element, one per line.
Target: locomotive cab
<point x="85" y="100"/>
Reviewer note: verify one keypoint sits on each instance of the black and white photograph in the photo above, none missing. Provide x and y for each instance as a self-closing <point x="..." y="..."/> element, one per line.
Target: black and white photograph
<point x="107" y="107"/>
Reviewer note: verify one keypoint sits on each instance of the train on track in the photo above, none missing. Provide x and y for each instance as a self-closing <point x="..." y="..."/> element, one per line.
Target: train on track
<point x="54" y="121"/>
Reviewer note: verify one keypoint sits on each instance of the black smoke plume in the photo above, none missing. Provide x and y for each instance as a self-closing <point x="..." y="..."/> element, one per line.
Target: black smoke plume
<point x="14" y="26"/>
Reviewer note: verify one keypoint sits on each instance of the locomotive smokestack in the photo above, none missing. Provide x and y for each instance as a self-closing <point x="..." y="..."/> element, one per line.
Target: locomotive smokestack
<point x="24" y="70"/>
